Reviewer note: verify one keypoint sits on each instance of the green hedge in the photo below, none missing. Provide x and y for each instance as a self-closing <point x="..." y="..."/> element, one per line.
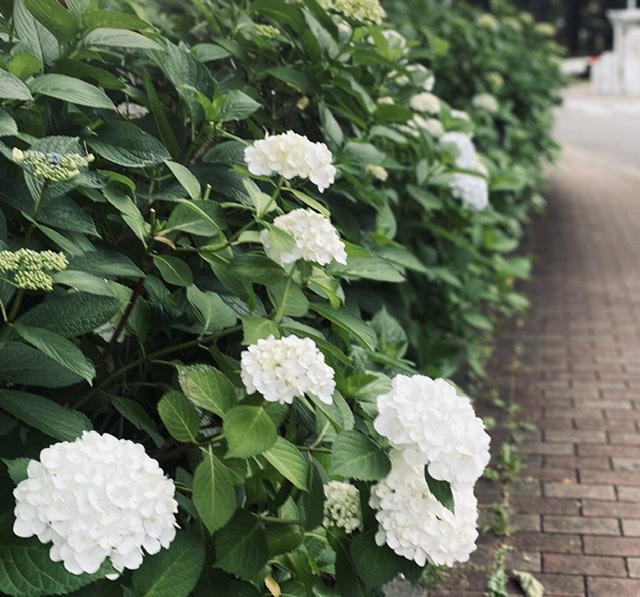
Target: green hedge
<point x="153" y="287"/>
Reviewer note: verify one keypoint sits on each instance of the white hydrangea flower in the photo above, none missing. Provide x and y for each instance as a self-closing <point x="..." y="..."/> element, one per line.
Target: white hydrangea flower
<point x="96" y="498"/>
<point x="132" y="111"/>
<point x="395" y="40"/>
<point x="425" y="102"/>
<point x="415" y="525"/>
<point x="386" y="100"/>
<point x="290" y="155"/>
<point x="281" y="369"/>
<point x="459" y="115"/>
<point x="316" y="238"/>
<point x="428" y="79"/>
<point x="470" y="188"/>
<point x="431" y="424"/>
<point x="342" y="506"/>
<point x="378" y="172"/>
<point x="432" y="125"/>
<point x="485" y="101"/>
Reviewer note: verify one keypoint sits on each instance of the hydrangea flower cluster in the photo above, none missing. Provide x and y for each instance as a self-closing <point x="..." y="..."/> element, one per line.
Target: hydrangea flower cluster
<point x="289" y="155"/>
<point x="378" y="172"/>
<point x="315" y="237"/>
<point x="131" y="111"/>
<point x="52" y="166"/>
<point x="433" y="425"/>
<point x="415" y="525"/>
<point x="486" y="102"/>
<point x="342" y="506"/>
<point x="30" y="267"/>
<point x="425" y="102"/>
<point x="281" y="369"/>
<point x="470" y="188"/>
<point x="362" y="11"/>
<point x="459" y="115"/>
<point x="97" y="498"/>
<point x="432" y="125"/>
<point x="488" y="21"/>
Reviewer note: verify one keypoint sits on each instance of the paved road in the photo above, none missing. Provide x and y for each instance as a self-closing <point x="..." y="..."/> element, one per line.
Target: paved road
<point x="608" y="126"/>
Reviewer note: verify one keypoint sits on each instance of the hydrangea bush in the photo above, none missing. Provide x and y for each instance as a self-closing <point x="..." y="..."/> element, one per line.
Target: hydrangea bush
<point x="241" y="247"/>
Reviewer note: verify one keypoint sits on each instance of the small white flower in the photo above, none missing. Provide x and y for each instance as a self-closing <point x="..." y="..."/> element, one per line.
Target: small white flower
<point x="485" y="101"/>
<point x="415" y="525"/>
<point x="432" y="125"/>
<point x="290" y="155"/>
<point x="96" y="498"/>
<point x="386" y="100"/>
<point x="316" y="239"/>
<point x="378" y="172"/>
<point x="281" y="369"/>
<point x="425" y="102"/>
<point x="342" y="506"/>
<point x="132" y="111"/>
<point x="432" y="425"/>
<point x="459" y="115"/>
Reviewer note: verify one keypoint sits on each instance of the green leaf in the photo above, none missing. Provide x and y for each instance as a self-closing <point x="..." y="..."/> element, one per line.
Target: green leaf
<point x="357" y="456"/>
<point x="213" y="492"/>
<point x="59" y="21"/>
<point x="33" y="35"/>
<point x="289" y="462"/>
<point x="70" y="89"/>
<point x="172" y="572"/>
<point x="364" y="264"/>
<point x="296" y="78"/>
<point x="257" y="328"/>
<point x="18" y="362"/>
<point x="354" y="326"/>
<point x="441" y="490"/>
<point x="174" y="270"/>
<point x="13" y="88"/>
<point x="288" y="298"/>
<point x="179" y="417"/>
<point x="204" y="218"/>
<point x="71" y="314"/>
<point x="283" y="538"/>
<point x="58" y="348"/>
<point x="8" y="126"/>
<point x="477" y="320"/>
<point x="207" y="388"/>
<point x="212" y="312"/>
<point x="126" y="144"/>
<point x="135" y="414"/>
<point x="237" y="106"/>
<point x="313" y="498"/>
<point x="209" y="52"/>
<point x="120" y="38"/>
<point x="347" y="577"/>
<point x="17" y="468"/>
<point x="26" y="568"/>
<point x="45" y="415"/>
<point x="249" y="431"/>
<point x="186" y="178"/>
<point x="241" y="546"/>
<point x="106" y="263"/>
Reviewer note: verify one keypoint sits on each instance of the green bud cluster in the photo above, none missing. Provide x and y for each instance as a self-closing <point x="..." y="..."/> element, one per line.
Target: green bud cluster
<point x="52" y="166"/>
<point x="267" y="31"/>
<point x="30" y="267"/>
<point x="363" y="11"/>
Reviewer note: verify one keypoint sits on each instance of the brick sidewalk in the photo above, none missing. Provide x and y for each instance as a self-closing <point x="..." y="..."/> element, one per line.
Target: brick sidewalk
<point x="578" y="507"/>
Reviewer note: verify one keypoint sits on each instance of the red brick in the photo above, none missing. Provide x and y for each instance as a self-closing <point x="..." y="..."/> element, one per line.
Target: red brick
<point x="629" y="494"/>
<point x="547" y="473"/>
<point x="613" y="509"/>
<point x="610" y="546"/>
<point x="627" y="439"/>
<point x="546" y="542"/>
<point x="633" y="566"/>
<point x="610" y="477"/>
<point x="631" y="528"/>
<point x="546" y="505"/>
<point x="608" y="450"/>
<point x="575" y="436"/>
<point x="600" y="463"/>
<point x="579" y="490"/>
<point x="607" y="587"/>
<point x="588" y="565"/>
<point x="626" y="464"/>
<point x="580" y="524"/>
<point x="543" y="448"/>
<point x="562" y="585"/>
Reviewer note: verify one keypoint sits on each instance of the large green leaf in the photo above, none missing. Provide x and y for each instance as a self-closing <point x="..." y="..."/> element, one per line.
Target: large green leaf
<point x="172" y="572"/>
<point x="441" y="490"/>
<point x="173" y="270"/>
<point x="249" y="431"/>
<point x="204" y="218"/>
<point x="212" y="312"/>
<point x="207" y="388"/>
<point x="13" y="88"/>
<point x="126" y="144"/>
<point x="71" y="314"/>
<point x="357" y="456"/>
<point x="364" y="264"/>
<point x="213" y="492"/>
<point x="59" y="21"/>
<point x="237" y="106"/>
<point x="352" y="325"/>
<point x="106" y="263"/>
<point x="289" y="462"/>
<point x="70" y="89"/>
<point x="179" y="417"/>
<point x="241" y="546"/>
<point x="347" y="577"/>
<point x="135" y="414"/>
<point x="120" y="38"/>
<point x="20" y="362"/>
<point x="58" y="348"/>
<point x="186" y="178"/>
<point x="34" y="35"/>
<point x="256" y="328"/>
<point x="44" y="414"/>
<point x="26" y="568"/>
<point x="8" y="126"/>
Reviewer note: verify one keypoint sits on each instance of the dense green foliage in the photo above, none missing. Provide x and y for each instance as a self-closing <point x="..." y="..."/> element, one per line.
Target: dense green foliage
<point x="161" y="241"/>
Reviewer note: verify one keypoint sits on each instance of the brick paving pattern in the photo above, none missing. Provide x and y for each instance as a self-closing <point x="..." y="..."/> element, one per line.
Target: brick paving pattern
<point x="577" y="507"/>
